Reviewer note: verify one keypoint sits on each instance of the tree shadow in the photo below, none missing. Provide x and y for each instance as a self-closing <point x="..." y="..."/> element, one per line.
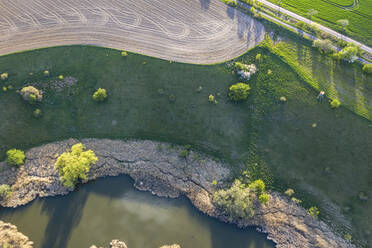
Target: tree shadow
<point x="65" y="212"/>
<point x="205" y="4"/>
<point x="230" y="11"/>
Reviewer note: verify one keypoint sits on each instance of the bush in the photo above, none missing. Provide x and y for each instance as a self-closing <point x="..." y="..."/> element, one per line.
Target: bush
<point x="15" y="157"/>
<point x="60" y="77"/>
<point x="75" y="164"/>
<point x="367" y="68"/>
<point x="37" y="113"/>
<point x="46" y="73"/>
<point x="31" y="94"/>
<point x="4" y="191"/>
<point x="124" y="53"/>
<point x="100" y="95"/>
<point x="236" y="201"/>
<point x="313" y="211"/>
<point x="335" y="103"/>
<point x="324" y="46"/>
<point x="4" y="76"/>
<point x="239" y="91"/>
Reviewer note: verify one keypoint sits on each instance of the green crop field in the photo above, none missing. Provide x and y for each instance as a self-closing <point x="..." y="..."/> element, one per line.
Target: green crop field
<point x="359" y="15"/>
<point x="327" y="164"/>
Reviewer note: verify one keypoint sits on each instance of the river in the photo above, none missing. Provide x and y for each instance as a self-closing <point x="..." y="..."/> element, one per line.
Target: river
<point x="111" y="208"/>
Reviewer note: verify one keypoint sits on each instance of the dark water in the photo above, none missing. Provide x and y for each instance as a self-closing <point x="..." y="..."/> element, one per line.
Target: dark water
<point x="111" y="208"/>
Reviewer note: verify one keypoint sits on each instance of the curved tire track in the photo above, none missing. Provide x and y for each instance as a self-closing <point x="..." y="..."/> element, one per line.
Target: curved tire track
<point x="178" y="30"/>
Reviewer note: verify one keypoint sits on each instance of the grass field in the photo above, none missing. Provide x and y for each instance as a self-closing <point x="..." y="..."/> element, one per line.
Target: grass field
<point x="328" y="165"/>
<point x="329" y="11"/>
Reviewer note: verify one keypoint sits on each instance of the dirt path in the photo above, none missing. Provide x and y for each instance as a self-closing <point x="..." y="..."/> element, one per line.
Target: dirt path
<point x="193" y="31"/>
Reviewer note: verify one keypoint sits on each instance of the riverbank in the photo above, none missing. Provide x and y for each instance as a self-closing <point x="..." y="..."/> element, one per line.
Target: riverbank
<point x="157" y="167"/>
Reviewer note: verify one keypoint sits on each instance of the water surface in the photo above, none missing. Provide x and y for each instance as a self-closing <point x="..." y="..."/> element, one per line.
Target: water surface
<point x="111" y="208"/>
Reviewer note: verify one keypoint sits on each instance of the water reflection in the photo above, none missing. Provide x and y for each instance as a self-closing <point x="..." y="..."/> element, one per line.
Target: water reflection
<point x="111" y="208"/>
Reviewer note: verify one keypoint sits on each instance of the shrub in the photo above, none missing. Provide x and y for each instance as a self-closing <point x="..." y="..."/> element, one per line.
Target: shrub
<point x="100" y="95"/>
<point x="263" y="198"/>
<point x="31" y="94"/>
<point x="347" y="237"/>
<point x="289" y="192"/>
<point x="239" y="91"/>
<point x="15" y="157"/>
<point x="245" y="71"/>
<point x="46" y="73"/>
<point x="4" y="191"/>
<point x="5" y="88"/>
<point x="75" y="164"/>
<point x="60" y="77"/>
<point x="214" y="182"/>
<point x="294" y="199"/>
<point x="324" y="46"/>
<point x="258" y="57"/>
<point x="335" y="103"/>
<point x="230" y="2"/>
<point x="184" y="153"/>
<point x="124" y="53"/>
<point x="212" y="99"/>
<point x="257" y="186"/>
<point x="37" y="113"/>
<point x="4" y="76"/>
<point x="283" y="99"/>
<point x="313" y="211"/>
<point x="349" y="53"/>
<point x="172" y="98"/>
<point x="237" y="201"/>
<point x="367" y="68"/>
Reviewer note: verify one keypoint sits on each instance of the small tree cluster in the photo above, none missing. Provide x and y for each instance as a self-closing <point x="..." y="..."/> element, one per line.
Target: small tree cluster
<point x="324" y="46"/>
<point x="31" y="94"/>
<point x="75" y="164"/>
<point x="349" y="53"/>
<point x="15" y="157"/>
<point x="4" y="191"/>
<point x="239" y="91"/>
<point x="100" y="95"/>
<point x="237" y="201"/>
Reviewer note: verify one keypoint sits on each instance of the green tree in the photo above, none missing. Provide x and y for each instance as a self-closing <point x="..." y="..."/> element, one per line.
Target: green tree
<point x="75" y="164"/>
<point x="15" y="157"/>
<point x="100" y="95"/>
<point x="239" y="91"/>
<point x="4" y="191"/>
